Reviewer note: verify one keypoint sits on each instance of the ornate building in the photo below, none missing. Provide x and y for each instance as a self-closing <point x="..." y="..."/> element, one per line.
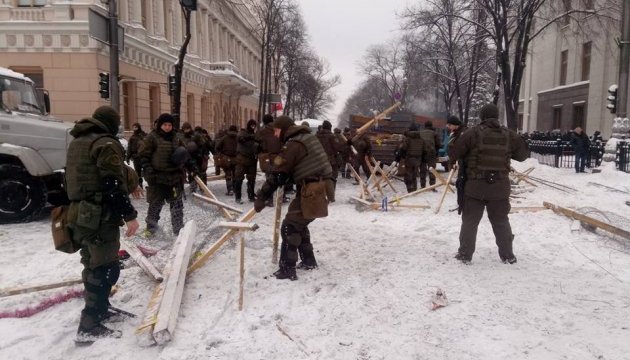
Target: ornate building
<point x="49" y="41"/>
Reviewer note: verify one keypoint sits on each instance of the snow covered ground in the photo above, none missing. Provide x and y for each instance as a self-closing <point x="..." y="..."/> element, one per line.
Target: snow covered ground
<point x="567" y="298"/>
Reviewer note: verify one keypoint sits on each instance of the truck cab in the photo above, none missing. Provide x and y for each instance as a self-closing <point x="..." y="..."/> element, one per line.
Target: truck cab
<point x="33" y="147"/>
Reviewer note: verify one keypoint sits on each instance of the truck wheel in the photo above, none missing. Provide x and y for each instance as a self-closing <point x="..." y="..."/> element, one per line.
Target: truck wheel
<point x="22" y="196"/>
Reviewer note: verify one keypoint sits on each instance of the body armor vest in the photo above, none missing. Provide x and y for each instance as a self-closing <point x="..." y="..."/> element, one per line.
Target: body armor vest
<point x="429" y="138"/>
<point x="83" y="181"/>
<point x="492" y="152"/>
<point x="316" y="163"/>
<point x="161" y="157"/>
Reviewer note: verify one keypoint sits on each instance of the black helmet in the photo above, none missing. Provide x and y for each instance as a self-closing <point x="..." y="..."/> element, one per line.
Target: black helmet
<point x="180" y="156"/>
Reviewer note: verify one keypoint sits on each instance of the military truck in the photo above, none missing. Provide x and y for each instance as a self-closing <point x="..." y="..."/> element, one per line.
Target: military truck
<point x="33" y="149"/>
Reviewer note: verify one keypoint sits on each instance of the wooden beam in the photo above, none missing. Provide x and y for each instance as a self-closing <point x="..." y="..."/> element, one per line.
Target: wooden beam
<point x="441" y="179"/>
<point x="527" y="209"/>
<point x="413" y="193"/>
<point x="448" y="181"/>
<point x="276" y="225"/>
<point x="174" y="285"/>
<point x="380" y="116"/>
<point x="217" y="245"/>
<point x="216" y="177"/>
<point x="241" y="273"/>
<point x="144" y="263"/>
<point x="217" y="203"/>
<point x="587" y="219"/>
<point x="239" y="225"/>
<point x="413" y="206"/>
<point x="209" y="194"/>
<point x="35" y="288"/>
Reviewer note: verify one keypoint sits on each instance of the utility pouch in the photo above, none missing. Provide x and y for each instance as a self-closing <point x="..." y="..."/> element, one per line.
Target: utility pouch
<point x="264" y="160"/>
<point x="89" y="215"/>
<point x="61" y="233"/>
<point x="491" y="177"/>
<point x="314" y="202"/>
<point x="402" y="168"/>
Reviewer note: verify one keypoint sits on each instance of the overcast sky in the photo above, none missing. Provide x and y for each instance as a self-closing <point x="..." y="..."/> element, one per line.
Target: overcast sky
<point x="341" y="31"/>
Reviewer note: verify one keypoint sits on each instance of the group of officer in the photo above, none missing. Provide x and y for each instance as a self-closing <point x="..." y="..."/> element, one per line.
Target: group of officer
<point x="99" y="185"/>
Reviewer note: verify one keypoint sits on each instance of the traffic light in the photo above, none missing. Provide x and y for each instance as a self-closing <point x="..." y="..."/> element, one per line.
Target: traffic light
<point x="612" y="99"/>
<point x="172" y="85"/>
<point x="104" y="83"/>
<point x="189" y="4"/>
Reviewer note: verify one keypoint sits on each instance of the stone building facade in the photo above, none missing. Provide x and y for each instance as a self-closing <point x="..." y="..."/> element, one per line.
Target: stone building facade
<point x="49" y="41"/>
<point x="567" y="76"/>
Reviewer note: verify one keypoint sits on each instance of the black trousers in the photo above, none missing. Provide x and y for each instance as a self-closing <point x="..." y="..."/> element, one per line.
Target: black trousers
<point x="497" y="214"/>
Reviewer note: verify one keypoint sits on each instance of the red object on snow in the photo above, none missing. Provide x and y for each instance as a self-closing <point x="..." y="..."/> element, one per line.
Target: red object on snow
<point x="43" y="305"/>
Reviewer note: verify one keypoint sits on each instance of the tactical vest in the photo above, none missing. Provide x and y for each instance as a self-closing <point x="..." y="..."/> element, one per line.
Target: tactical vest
<point x="492" y="152"/>
<point x="428" y="136"/>
<point x="415" y="146"/>
<point x="161" y="157"/>
<point x="83" y="181"/>
<point x="315" y="163"/>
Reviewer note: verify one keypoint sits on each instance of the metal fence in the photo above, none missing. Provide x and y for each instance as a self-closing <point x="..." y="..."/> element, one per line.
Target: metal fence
<point x="560" y="153"/>
<point x="622" y="159"/>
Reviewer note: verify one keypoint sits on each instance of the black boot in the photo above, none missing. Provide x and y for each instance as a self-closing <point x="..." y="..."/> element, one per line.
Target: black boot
<point x="286" y="272"/>
<point x="251" y="195"/>
<point x="100" y="331"/>
<point x="237" y="191"/>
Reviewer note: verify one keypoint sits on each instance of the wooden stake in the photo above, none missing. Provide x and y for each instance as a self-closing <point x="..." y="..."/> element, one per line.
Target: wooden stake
<point x="413" y="193"/>
<point x="364" y="188"/>
<point x="216" y="177"/>
<point x="239" y="225"/>
<point x="217" y="203"/>
<point x="242" y="274"/>
<point x="209" y="194"/>
<point x="144" y="263"/>
<point x="174" y="285"/>
<point x="527" y="209"/>
<point x="587" y="219"/>
<point x="413" y="206"/>
<point x="276" y="225"/>
<point x="217" y="245"/>
<point x="31" y="289"/>
<point x="448" y="181"/>
<point x="380" y="116"/>
<point x="441" y="179"/>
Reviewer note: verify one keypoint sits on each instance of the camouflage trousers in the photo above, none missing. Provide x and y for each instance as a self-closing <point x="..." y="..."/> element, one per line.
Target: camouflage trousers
<point x="157" y="194"/>
<point x="296" y="238"/>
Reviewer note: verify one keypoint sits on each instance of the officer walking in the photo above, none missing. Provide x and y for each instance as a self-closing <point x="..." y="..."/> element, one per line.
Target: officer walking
<point x="411" y="150"/>
<point x="487" y="150"/>
<point x="99" y="195"/>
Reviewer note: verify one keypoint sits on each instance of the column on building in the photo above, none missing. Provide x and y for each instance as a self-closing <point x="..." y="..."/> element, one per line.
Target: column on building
<point x="194" y="16"/>
<point x="134" y="10"/>
<point x="216" y="38"/>
<point x="205" y="38"/>
<point x="177" y="24"/>
<point x="159" y="25"/>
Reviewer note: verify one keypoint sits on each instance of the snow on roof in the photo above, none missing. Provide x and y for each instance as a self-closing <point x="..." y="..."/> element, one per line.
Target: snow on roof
<point x="10" y="73"/>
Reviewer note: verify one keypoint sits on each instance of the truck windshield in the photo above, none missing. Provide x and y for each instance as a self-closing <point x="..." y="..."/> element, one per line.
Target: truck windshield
<point x="19" y="95"/>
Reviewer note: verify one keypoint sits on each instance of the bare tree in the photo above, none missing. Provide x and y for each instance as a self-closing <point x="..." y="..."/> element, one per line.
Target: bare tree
<point x="313" y="87"/>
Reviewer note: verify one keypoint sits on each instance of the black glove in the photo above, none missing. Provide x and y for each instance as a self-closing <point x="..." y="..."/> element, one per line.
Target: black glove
<point x="349" y="142"/>
<point x="259" y="204"/>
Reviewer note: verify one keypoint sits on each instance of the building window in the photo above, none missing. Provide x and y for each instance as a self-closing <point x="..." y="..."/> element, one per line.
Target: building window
<point x="566" y="8"/>
<point x="564" y="60"/>
<point x="589" y="4"/>
<point x="190" y="109"/>
<point x="586" y="60"/>
<point x="129" y="104"/>
<point x="557" y="118"/>
<point x="154" y="102"/>
<point x="578" y="116"/>
<point x="31" y="3"/>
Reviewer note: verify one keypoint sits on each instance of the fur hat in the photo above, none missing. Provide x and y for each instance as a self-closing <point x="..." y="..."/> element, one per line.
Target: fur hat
<point x="232" y="128"/>
<point x="337" y="131"/>
<point x="109" y="117"/>
<point x="283" y="122"/>
<point x="165" y="118"/>
<point x="267" y="119"/>
<point x="186" y="126"/>
<point x="251" y="123"/>
<point x="489" y="111"/>
<point x="453" y="120"/>
<point x="326" y="125"/>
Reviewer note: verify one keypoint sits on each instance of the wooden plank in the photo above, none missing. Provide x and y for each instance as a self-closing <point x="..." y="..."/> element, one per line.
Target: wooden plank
<point x="174" y="285"/>
<point x="216" y="177"/>
<point x="441" y="179"/>
<point x="413" y="206"/>
<point x="217" y="245"/>
<point x="145" y="330"/>
<point x="275" y="240"/>
<point x="362" y="184"/>
<point x="144" y="263"/>
<point x="414" y="193"/>
<point x="527" y="209"/>
<point x="367" y="125"/>
<point x="448" y="181"/>
<point x="35" y="288"/>
<point x="238" y="225"/>
<point x="218" y="203"/>
<point x="209" y="194"/>
<point x="587" y="219"/>
<point x="242" y="274"/>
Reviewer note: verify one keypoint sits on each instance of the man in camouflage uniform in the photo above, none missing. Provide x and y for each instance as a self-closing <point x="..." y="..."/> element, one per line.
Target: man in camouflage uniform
<point x="363" y="146"/>
<point x="303" y="159"/>
<point x="433" y="144"/>
<point x="134" y="146"/>
<point x="487" y="150"/>
<point x="332" y="148"/>
<point x="97" y="188"/>
<point x="226" y="147"/>
<point x="164" y="176"/>
<point x="411" y="150"/>
<point x="246" y="163"/>
<point x="270" y="146"/>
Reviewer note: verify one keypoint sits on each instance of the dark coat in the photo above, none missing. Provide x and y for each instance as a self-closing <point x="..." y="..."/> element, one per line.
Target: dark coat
<point x="580" y="143"/>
